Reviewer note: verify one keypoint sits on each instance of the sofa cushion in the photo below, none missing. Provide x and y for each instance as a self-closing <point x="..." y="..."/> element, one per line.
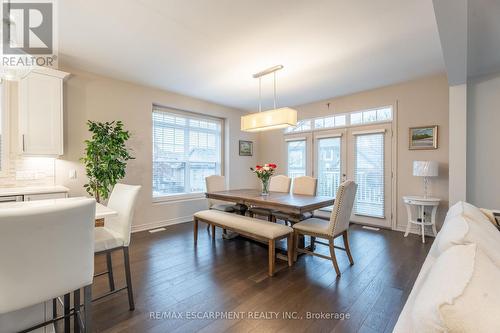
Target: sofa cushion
<point x="461" y="230"/>
<point x="460" y="293"/>
<point x="467" y="209"/>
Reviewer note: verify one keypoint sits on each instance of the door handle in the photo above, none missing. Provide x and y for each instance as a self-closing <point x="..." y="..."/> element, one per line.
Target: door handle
<point x="23" y="144"/>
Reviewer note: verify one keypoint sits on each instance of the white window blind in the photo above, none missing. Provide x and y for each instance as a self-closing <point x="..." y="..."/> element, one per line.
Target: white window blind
<point x="369" y="174"/>
<point x="329" y="166"/>
<point x="296" y="151"/>
<point x="186" y="149"/>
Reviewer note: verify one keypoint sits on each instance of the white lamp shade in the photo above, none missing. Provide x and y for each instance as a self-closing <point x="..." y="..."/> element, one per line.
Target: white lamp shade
<point x="425" y="168"/>
<point x="269" y="120"/>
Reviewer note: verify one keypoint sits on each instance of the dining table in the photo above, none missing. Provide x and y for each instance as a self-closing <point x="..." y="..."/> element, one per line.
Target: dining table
<point x="294" y="205"/>
<point x="101" y="211"/>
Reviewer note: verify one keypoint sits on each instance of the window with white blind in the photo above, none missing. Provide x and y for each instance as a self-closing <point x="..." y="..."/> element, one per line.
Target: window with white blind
<point x="186" y="149"/>
<point x="296" y="151"/>
<point x="369" y="175"/>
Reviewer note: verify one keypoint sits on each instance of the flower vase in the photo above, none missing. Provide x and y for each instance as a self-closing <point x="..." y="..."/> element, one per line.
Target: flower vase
<point x="265" y="186"/>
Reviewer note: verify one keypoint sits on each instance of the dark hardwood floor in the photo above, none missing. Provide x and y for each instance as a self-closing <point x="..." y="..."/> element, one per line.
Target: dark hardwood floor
<point x="172" y="278"/>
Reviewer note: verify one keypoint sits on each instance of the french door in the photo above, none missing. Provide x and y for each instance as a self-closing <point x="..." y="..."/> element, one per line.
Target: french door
<point x="362" y="154"/>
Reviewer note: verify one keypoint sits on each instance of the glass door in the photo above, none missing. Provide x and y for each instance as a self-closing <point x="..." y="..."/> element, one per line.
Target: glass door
<point x="370" y="167"/>
<point x="329" y="152"/>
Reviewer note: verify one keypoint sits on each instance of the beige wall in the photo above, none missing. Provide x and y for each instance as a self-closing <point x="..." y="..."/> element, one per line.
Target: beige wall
<point x="419" y="103"/>
<point x="89" y="96"/>
<point x="483" y="159"/>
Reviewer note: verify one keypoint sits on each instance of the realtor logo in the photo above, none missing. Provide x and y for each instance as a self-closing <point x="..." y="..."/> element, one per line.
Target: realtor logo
<point x="28" y="28"/>
<point x="29" y="34"/>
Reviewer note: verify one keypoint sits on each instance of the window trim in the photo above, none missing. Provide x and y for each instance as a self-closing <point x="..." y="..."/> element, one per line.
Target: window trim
<point x="182" y="197"/>
<point x="5" y="121"/>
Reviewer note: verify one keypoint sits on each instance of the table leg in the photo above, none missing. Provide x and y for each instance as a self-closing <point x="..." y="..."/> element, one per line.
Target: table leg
<point x="433" y="220"/>
<point x="422" y="221"/>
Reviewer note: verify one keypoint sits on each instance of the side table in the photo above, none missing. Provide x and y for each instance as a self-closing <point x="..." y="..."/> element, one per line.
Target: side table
<point x="422" y="219"/>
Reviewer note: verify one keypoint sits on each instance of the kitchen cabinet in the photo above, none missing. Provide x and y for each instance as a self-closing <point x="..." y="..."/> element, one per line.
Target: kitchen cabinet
<point x="41" y="113"/>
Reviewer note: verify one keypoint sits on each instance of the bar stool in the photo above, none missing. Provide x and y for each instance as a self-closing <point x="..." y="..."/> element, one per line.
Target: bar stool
<point x="115" y="236"/>
<point x="46" y="251"/>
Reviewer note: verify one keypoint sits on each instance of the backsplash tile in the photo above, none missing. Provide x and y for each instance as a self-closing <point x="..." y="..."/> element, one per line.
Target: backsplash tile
<point x="29" y="171"/>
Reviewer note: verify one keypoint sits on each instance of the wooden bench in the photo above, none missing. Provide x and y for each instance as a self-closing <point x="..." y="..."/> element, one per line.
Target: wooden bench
<point x="259" y="230"/>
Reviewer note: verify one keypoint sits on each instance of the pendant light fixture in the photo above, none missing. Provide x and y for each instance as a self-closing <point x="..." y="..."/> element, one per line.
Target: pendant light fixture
<point x="270" y="119"/>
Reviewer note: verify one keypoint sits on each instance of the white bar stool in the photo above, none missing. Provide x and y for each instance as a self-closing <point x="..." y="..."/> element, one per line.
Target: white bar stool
<point x="46" y="252"/>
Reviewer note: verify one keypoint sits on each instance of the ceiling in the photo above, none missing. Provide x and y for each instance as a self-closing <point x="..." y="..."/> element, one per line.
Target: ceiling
<point x="484" y="45"/>
<point x="210" y="49"/>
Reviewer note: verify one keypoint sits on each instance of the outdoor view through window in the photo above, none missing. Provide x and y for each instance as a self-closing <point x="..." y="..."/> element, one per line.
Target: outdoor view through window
<point x="186" y="149"/>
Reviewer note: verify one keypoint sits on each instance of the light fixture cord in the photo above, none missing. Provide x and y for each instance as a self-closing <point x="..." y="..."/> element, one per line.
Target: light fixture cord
<point x="274" y="75"/>
<point x="260" y="94"/>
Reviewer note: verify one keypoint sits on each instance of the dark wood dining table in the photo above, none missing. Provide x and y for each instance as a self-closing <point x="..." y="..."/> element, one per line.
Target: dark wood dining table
<point x="295" y="205"/>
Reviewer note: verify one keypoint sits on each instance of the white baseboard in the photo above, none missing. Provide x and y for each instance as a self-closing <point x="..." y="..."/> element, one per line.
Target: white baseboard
<point x="159" y="224"/>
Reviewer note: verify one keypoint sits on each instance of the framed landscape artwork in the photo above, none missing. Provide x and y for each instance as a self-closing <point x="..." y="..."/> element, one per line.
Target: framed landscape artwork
<point x="246" y="148"/>
<point x="425" y="137"/>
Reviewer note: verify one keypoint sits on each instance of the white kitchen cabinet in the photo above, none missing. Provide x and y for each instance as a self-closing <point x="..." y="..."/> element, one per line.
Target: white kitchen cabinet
<point x="41" y="113"/>
<point x="44" y="196"/>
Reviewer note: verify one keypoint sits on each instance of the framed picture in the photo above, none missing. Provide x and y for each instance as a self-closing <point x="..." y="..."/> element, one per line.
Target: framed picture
<point x="246" y="148"/>
<point x="424" y="137"/>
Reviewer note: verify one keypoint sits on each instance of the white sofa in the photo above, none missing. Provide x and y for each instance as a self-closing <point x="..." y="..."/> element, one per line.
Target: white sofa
<point x="458" y="287"/>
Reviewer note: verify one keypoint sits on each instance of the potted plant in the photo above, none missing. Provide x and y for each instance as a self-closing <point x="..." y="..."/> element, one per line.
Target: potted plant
<point x="264" y="173"/>
<point x="106" y="156"/>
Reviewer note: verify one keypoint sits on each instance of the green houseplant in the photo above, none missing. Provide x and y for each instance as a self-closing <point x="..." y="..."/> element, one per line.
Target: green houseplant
<point x="106" y="156"/>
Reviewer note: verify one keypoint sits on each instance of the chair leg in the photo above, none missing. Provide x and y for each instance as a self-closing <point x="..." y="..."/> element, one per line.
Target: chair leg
<point x="250" y="214"/>
<point x="345" y="236"/>
<point x="273" y="218"/>
<point x="111" y="279"/>
<point x="128" y="278"/>
<point x="54" y="308"/>
<point x="334" y="259"/>
<point x="67" y="319"/>
<point x="290" y="249"/>
<point x="87" y="304"/>
<point x="195" y="231"/>
<point x="270" y="218"/>
<point x="76" y="305"/>
<point x="213" y="231"/>
<point x="295" y="245"/>
<point x="313" y="242"/>
<point x="272" y="257"/>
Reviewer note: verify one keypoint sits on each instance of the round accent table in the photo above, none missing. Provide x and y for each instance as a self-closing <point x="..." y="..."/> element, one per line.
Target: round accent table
<point x="417" y="213"/>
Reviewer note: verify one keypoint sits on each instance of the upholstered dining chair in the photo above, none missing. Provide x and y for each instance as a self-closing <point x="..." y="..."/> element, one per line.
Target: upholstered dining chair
<point x="303" y="185"/>
<point x="278" y="183"/>
<point x="115" y="236"/>
<point x="337" y="225"/>
<point x="46" y="251"/>
<point x="217" y="183"/>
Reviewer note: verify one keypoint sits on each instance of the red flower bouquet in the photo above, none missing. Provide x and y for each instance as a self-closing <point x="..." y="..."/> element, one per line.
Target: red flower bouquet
<point x="264" y="173"/>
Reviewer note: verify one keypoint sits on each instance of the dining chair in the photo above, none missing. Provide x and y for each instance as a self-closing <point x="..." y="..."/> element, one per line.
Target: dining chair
<point x="278" y="183"/>
<point x="46" y="252"/>
<point x="303" y="185"/>
<point x="115" y="236"/>
<point x="337" y="225"/>
<point x="216" y="183"/>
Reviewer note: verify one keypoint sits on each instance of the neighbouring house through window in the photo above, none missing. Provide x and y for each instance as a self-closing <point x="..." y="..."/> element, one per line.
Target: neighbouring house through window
<point x="187" y="147"/>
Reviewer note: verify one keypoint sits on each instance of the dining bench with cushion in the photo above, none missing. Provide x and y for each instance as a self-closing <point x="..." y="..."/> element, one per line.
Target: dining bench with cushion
<point x="253" y="228"/>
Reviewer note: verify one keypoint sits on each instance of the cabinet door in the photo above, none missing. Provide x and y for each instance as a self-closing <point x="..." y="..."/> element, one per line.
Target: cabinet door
<point x="41" y="116"/>
<point x="44" y="196"/>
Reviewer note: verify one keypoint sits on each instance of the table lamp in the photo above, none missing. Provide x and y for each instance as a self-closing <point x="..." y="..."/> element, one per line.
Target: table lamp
<point x="425" y="169"/>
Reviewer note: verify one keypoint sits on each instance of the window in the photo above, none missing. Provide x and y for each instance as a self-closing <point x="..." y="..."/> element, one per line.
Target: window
<point x="186" y="149"/>
<point x="302" y="126"/>
<point x="377" y="115"/>
<point x="369" y="175"/>
<point x="296" y="158"/>
<point x="329" y="166"/>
